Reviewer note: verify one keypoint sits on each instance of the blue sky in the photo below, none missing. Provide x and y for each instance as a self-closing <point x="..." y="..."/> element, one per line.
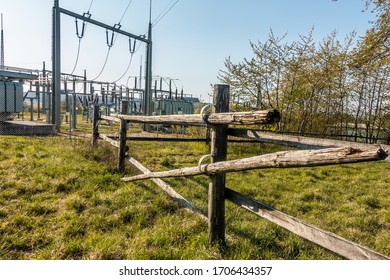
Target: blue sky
<point x="189" y="44"/>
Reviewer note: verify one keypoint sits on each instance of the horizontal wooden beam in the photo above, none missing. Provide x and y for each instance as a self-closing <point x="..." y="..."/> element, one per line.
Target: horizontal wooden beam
<point x="328" y="240"/>
<point x="301" y="141"/>
<point x="254" y="117"/>
<point x="283" y="159"/>
<point x="167" y="138"/>
<point x="180" y="139"/>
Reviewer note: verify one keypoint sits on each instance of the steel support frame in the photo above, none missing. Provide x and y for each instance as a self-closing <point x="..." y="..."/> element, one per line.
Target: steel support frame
<point x="56" y="59"/>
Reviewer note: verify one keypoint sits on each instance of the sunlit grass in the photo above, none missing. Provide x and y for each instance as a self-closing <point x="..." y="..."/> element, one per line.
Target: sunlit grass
<point x="61" y="199"/>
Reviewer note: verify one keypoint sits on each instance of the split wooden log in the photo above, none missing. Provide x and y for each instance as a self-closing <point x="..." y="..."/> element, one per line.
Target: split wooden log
<point x="283" y="159"/>
<point x="254" y="117"/>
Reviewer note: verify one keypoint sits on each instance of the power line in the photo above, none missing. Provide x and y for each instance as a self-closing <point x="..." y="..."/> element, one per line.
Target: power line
<point x="127" y="69"/>
<point x="104" y="65"/>
<point x="132" y="51"/>
<point x="81" y="36"/>
<point x="90" y="5"/>
<point x="77" y="57"/>
<point x="110" y="40"/>
<point x="128" y="5"/>
<point x="162" y="14"/>
<point x="118" y="25"/>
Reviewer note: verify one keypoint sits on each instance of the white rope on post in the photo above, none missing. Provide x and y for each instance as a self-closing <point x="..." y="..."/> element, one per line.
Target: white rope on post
<point x="200" y="162"/>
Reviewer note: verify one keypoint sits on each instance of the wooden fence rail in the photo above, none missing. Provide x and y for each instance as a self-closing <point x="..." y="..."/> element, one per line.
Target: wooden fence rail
<point x="301" y="142"/>
<point x="328" y="240"/>
<point x="323" y="152"/>
<point x="283" y="159"/>
<point x="247" y="118"/>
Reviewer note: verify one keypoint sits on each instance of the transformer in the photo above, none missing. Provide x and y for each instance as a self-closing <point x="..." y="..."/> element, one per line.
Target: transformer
<point x="172" y="107"/>
<point x="11" y="99"/>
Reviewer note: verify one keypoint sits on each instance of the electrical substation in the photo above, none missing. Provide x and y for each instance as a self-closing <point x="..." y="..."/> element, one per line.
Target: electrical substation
<point x="57" y="97"/>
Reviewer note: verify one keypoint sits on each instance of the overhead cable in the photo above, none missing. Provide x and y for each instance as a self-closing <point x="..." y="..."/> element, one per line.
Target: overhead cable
<point x="104" y="65"/>
<point x="124" y="13"/>
<point x="77" y="57"/>
<point x="132" y="51"/>
<point x="118" y="25"/>
<point x="90" y="5"/>
<point x="162" y="14"/>
<point x="127" y="69"/>
<point x="80" y="35"/>
<point x="110" y="42"/>
<point x="131" y="46"/>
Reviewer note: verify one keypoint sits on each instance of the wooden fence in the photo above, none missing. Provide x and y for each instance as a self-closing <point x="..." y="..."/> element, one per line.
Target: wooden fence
<point x="317" y="152"/>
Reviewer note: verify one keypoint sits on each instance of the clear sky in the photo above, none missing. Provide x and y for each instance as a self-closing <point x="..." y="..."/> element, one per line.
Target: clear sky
<point x="190" y="43"/>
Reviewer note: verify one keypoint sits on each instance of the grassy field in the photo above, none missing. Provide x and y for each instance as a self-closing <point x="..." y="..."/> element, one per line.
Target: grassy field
<point x="61" y="199"/>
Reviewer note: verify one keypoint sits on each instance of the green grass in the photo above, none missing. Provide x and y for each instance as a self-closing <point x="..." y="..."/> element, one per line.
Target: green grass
<point x="349" y="200"/>
<point x="61" y="199"/>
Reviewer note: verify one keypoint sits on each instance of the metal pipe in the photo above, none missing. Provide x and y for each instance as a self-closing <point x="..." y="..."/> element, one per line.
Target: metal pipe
<point x="67" y="109"/>
<point x="85" y="87"/>
<point x="74" y="106"/>
<point x="39" y="100"/>
<point x="44" y="88"/>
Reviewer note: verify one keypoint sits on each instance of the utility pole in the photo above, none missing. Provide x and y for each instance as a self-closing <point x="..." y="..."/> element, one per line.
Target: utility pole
<point x="56" y="60"/>
<point x="148" y="73"/>
<point x="2" y="44"/>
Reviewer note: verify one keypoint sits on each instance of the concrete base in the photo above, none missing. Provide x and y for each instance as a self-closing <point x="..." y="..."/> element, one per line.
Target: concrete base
<point x="25" y="128"/>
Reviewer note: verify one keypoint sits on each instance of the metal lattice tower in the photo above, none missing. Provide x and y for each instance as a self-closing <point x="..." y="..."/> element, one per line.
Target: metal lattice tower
<point x="2" y="44"/>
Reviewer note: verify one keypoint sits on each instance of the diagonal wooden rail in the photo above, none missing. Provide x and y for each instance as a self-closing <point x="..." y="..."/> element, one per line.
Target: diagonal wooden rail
<point x="328" y="240"/>
<point x="165" y="187"/>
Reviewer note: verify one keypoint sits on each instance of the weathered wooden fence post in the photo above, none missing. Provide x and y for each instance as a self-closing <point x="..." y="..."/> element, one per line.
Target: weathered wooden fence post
<point x="216" y="207"/>
<point x="95" y="124"/>
<point x="122" y="138"/>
